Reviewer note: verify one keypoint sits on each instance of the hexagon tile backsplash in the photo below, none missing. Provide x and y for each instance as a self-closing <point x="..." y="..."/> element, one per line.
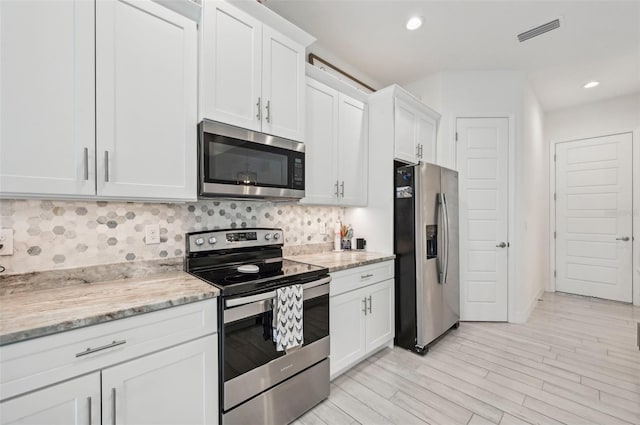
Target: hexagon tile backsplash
<point x="63" y="234"/>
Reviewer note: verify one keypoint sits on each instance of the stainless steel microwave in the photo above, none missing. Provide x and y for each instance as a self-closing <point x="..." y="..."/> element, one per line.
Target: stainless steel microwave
<point x="240" y="163"/>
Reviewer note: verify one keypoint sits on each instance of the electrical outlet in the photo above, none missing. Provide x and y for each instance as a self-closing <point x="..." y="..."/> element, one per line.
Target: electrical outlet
<point x="152" y="234"/>
<point x="6" y="241"/>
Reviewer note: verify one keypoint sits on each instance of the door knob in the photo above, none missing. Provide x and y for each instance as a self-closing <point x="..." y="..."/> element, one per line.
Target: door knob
<point x="623" y="238"/>
<point x="502" y="245"/>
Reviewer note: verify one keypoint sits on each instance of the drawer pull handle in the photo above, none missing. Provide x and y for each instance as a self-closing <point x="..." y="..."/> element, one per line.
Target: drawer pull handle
<point x="366" y="276"/>
<point x="104" y="347"/>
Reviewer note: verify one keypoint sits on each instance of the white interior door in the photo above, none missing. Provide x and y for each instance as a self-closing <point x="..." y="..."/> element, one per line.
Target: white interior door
<point x="594" y="217"/>
<point x="483" y="147"/>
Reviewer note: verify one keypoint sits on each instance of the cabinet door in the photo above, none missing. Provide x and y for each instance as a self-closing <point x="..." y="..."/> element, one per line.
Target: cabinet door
<point x="283" y="85"/>
<point x="146" y="85"/>
<point x="47" y="97"/>
<point x="321" y="144"/>
<point x="352" y="151"/>
<point x="231" y="55"/>
<point x="405" y="132"/>
<point x="347" y="330"/>
<point x="380" y="317"/>
<point x="72" y="402"/>
<point x="427" y="138"/>
<point x="174" y="386"/>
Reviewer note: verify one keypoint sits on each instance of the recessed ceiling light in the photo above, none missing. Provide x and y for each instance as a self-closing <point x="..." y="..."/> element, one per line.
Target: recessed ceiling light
<point x="414" y="23"/>
<point x="591" y="84"/>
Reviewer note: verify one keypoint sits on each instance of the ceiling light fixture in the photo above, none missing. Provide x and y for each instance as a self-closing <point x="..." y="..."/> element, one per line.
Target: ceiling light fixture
<point x="591" y="84"/>
<point x="414" y="23"/>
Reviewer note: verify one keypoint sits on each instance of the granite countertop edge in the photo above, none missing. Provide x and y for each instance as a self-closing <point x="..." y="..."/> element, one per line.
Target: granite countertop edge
<point x="345" y="259"/>
<point x="77" y="323"/>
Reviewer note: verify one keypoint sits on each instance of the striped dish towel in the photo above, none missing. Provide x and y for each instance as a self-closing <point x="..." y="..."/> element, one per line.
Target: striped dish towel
<point x="287" y="318"/>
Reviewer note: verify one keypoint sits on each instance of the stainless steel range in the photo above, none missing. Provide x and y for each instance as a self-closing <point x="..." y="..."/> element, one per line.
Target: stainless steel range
<point x="258" y="383"/>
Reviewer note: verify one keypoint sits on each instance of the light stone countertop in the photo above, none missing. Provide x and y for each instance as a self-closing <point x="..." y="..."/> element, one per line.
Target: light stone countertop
<point x="336" y="261"/>
<point x="30" y="314"/>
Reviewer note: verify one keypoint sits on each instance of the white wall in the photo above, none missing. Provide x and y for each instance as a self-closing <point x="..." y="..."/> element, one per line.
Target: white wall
<point x="468" y="94"/>
<point x="617" y="115"/>
<point x="612" y="116"/>
<point x="503" y="93"/>
<point x="532" y="209"/>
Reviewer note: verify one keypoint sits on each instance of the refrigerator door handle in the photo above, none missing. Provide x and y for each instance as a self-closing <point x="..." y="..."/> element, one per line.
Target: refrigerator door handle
<point x="445" y="209"/>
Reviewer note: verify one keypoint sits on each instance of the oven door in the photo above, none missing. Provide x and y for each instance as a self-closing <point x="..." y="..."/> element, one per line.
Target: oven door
<point x="240" y="162"/>
<point x="251" y="363"/>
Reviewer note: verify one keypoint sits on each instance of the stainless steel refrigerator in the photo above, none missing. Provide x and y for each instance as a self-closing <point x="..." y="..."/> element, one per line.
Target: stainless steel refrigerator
<point x="427" y="287"/>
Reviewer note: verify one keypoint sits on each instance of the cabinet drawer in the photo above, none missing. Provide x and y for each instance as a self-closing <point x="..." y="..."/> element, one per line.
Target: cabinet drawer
<point x="32" y="364"/>
<point x="348" y="280"/>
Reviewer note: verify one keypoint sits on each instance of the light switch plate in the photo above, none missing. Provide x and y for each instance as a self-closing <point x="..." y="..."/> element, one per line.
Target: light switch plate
<point x="152" y="234"/>
<point x="6" y="240"/>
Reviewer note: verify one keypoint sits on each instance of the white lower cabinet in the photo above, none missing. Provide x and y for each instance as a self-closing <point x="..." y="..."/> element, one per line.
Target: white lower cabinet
<point x="75" y="402"/>
<point x="156" y="368"/>
<point x="174" y="386"/>
<point x="361" y="314"/>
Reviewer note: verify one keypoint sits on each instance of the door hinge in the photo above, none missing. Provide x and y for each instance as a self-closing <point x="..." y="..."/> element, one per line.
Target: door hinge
<point x="554" y="273"/>
<point x="554" y="196"/>
<point x="554" y="235"/>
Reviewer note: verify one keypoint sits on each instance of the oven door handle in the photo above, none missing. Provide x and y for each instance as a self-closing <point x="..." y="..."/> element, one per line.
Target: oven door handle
<point x="248" y="309"/>
<point x="272" y="294"/>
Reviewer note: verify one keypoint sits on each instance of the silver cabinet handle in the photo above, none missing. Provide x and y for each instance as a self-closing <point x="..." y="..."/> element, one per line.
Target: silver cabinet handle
<point x="86" y="163"/>
<point x="106" y="166"/>
<point x="113" y="405"/>
<point x="418" y="151"/>
<point x="366" y="276"/>
<point x="369" y="304"/>
<point x="259" y="105"/>
<point x="337" y="192"/>
<point x="623" y="238"/>
<point x="90" y="414"/>
<point x="103" y="347"/>
<point x="421" y="150"/>
<point x="342" y="189"/>
<point x="502" y="245"/>
<point x="364" y="309"/>
<point x="268" y="111"/>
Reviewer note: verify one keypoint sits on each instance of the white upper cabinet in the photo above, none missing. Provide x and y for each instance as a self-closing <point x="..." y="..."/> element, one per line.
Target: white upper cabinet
<point x="282" y="85"/>
<point x="232" y="66"/>
<point x="321" y="144"/>
<point x="98" y="101"/>
<point x="426" y="130"/>
<point x="405" y="132"/>
<point x="352" y="151"/>
<point x="47" y="97"/>
<point x="252" y="74"/>
<point x="146" y="93"/>
<point x="336" y="147"/>
<point x="410" y="123"/>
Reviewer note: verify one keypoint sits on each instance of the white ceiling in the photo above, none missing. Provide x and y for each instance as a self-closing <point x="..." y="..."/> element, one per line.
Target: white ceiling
<point x="597" y="40"/>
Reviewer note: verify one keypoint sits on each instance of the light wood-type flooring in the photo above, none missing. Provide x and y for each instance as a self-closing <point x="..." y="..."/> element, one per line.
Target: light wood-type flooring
<point x="574" y="362"/>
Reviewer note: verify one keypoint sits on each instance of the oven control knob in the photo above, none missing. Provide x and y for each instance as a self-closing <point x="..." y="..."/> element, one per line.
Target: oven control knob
<point x="276" y="236"/>
<point x="212" y="240"/>
<point x="199" y="241"/>
<point x="267" y="236"/>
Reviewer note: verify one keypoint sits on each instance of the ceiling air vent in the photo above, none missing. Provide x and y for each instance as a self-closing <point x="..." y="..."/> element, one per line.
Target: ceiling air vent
<point x="534" y="32"/>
